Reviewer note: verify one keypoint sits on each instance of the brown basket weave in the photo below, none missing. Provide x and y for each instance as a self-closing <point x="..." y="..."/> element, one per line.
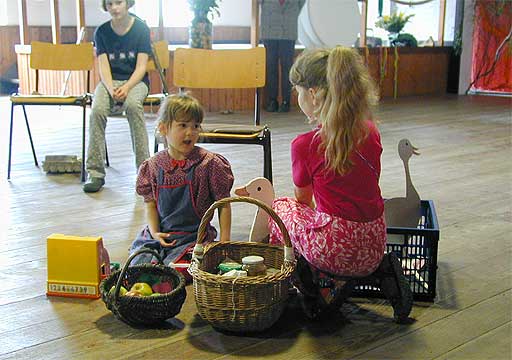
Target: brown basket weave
<point x="243" y="304"/>
<point x="146" y="310"/>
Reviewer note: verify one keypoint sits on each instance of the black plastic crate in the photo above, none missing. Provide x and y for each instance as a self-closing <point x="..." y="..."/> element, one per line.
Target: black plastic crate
<point x="417" y="250"/>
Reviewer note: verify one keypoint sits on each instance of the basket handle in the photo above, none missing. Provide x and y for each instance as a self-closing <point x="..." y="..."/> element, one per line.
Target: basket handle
<point x="208" y="215"/>
<point x="127" y="264"/>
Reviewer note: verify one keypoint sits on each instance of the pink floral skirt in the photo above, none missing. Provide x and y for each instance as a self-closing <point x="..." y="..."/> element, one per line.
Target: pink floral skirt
<point x="328" y="243"/>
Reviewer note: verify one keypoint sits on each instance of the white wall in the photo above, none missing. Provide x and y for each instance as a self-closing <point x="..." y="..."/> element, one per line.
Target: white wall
<point x="467" y="46"/>
<point x="233" y="12"/>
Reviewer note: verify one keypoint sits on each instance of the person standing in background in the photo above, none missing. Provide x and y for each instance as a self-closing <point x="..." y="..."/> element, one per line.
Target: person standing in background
<point x="279" y="19"/>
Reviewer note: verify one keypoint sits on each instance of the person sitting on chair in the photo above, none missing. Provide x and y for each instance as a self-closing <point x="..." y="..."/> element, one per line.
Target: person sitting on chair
<point x="123" y="47"/>
<point x="336" y="220"/>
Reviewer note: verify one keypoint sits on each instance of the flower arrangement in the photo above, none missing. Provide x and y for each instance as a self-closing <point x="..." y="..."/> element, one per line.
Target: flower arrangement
<point x="201" y="28"/>
<point x="203" y="8"/>
<point x="393" y="23"/>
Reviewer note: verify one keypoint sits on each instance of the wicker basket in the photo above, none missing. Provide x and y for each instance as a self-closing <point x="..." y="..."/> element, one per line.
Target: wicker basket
<point x="242" y="304"/>
<point x="147" y="310"/>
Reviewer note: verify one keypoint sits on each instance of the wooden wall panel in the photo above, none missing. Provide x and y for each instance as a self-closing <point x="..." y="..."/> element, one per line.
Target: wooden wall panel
<point x="9" y="36"/>
<point x="421" y="71"/>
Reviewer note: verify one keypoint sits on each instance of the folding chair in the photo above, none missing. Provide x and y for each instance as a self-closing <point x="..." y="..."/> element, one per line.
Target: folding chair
<point x="222" y="69"/>
<point x="57" y="57"/>
<point x="159" y="63"/>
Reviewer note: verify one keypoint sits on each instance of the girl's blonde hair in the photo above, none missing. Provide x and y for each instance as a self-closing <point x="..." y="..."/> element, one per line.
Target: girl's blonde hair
<point x="345" y="93"/>
<point x="129" y="3"/>
<point x="182" y="107"/>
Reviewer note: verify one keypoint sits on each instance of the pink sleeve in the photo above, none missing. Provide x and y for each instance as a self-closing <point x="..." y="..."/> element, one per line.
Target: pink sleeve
<point x="221" y="177"/>
<point x="300" y="161"/>
<point x="144" y="185"/>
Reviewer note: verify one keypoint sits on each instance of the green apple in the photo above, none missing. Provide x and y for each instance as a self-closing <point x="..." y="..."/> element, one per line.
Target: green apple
<point x="155" y="294"/>
<point x="122" y="291"/>
<point x="142" y="288"/>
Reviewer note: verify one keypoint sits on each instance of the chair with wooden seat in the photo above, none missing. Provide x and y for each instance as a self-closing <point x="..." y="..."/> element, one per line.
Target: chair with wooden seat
<point x="227" y="69"/>
<point x="55" y="57"/>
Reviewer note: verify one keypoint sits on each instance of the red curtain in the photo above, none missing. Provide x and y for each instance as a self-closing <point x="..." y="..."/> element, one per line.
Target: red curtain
<point x="493" y="20"/>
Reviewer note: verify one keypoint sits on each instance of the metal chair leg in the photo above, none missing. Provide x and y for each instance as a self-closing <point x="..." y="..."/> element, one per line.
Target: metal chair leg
<point x="10" y="144"/>
<point x="82" y="175"/>
<point x="30" y="136"/>
<point x="107" y="162"/>
<point x="267" y="155"/>
<point x="155" y="148"/>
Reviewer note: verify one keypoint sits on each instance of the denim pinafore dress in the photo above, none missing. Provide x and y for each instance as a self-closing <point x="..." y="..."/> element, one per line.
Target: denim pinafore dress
<point x="178" y="216"/>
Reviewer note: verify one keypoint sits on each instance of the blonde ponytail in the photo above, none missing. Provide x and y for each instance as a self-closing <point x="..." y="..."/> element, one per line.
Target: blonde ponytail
<point x="346" y="94"/>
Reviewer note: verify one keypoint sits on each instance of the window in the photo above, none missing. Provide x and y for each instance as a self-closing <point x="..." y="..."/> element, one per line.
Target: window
<point x="176" y="12"/>
<point x="423" y="25"/>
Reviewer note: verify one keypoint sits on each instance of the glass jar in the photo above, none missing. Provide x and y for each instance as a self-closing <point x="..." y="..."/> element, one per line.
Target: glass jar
<point x="254" y="265"/>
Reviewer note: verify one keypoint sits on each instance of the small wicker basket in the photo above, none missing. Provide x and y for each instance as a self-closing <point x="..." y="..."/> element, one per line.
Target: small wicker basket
<point x="147" y="310"/>
<point x="241" y="304"/>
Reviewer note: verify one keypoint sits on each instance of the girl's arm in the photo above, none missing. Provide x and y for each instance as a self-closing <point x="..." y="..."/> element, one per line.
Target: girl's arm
<point x="304" y="195"/>
<point x="154" y="225"/>
<point x="140" y="70"/>
<point x="105" y="73"/>
<point x="225" y="222"/>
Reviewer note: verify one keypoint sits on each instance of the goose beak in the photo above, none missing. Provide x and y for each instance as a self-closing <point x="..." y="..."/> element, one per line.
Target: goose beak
<point x="241" y="191"/>
<point x="415" y="150"/>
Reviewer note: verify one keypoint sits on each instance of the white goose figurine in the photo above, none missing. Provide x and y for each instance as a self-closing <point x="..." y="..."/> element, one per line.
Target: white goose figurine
<point x="260" y="189"/>
<point x="404" y="211"/>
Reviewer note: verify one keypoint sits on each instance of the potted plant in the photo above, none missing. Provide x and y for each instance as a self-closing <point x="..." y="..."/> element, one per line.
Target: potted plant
<point x="394" y="24"/>
<point x="200" y="30"/>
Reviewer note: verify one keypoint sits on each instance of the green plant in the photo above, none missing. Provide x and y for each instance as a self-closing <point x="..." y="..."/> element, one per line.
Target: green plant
<point x="393" y="23"/>
<point x="405" y="39"/>
<point x="204" y="8"/>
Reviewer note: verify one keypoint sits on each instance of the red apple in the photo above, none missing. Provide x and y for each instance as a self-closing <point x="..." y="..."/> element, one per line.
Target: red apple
<point x="163" y="287"/>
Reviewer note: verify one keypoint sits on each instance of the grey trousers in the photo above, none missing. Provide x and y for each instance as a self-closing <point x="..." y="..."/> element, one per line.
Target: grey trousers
<point x="102" y="106"/>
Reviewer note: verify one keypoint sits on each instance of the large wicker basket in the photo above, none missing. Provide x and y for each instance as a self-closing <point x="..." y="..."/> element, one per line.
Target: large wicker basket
<point x="147" y="310"/>
<point x="242" y="304"/>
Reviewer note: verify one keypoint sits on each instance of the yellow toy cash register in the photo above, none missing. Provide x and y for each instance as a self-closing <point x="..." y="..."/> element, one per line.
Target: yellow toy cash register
<point x="76" y="266"/>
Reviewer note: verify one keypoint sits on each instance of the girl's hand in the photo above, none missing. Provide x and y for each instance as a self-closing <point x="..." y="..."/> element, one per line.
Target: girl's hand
<point x="121" y="93"/>
<point x="162" y="237"/>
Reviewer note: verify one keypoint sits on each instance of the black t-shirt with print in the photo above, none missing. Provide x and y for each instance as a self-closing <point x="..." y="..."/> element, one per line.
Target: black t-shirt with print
<point x="122" y="50"/>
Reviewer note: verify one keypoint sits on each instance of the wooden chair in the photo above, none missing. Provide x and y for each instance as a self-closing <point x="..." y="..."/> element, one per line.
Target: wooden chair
<point x="55" y="57"/>
<point x="221" y="69"/>
<point x="159" y="63"/>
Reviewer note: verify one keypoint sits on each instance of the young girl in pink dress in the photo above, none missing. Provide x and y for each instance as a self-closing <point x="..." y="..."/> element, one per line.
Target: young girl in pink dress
<point x="179" y="184"/>
<point x="336" y="220"/>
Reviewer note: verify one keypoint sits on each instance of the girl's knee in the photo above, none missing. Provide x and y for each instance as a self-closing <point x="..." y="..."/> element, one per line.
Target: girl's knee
<point x="99" y="114"/>
<point x="134" y="107"/>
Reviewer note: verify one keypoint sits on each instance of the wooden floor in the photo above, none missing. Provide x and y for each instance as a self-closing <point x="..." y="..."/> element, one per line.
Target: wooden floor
<point x="465" y="166"/>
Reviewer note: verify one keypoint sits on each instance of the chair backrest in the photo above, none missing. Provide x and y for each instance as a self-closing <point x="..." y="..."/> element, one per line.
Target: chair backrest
<point x="48" y="56"/>
<point x="62" y="57"/>
<point x="161" y="51"/>
<point x="159" y="61"/>
<point x="219" y="69"/>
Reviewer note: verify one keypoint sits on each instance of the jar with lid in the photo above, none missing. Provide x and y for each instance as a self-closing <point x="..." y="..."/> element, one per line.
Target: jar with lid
<point x="254" y="265"/>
